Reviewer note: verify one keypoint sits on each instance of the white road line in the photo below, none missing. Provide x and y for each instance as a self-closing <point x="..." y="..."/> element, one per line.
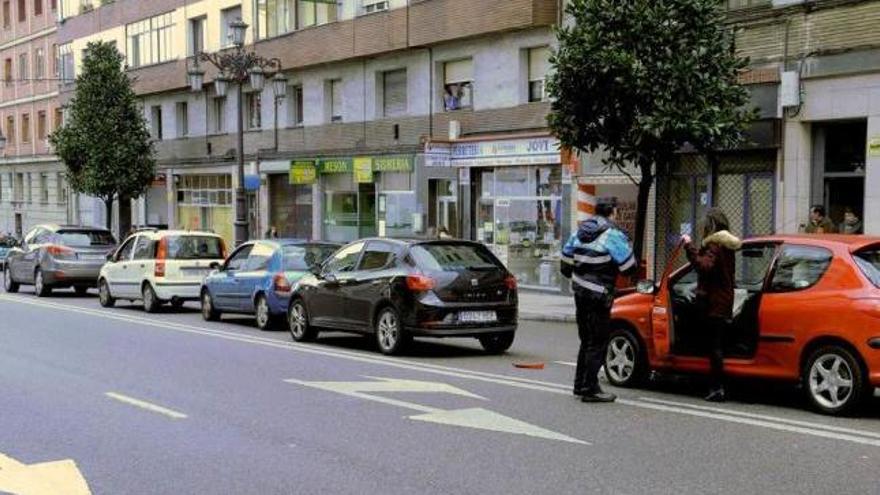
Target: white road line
<point x="566" y="363"/>
<point x="146" y="405"/>
<point x="782" y="424"/>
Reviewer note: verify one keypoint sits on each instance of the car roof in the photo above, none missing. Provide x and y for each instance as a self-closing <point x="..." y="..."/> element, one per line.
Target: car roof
<point x="54" y="227"/>
<point x="164" y="233"/>
<point x="413" y="241"/>
<point x="850" y="242"/>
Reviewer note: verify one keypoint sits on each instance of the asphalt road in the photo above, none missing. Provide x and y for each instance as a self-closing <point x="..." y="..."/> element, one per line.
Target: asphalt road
<point x="167" y="403"/>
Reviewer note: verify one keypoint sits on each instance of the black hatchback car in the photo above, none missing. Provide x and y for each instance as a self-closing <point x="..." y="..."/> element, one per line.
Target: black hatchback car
<point x="397" y="290"/>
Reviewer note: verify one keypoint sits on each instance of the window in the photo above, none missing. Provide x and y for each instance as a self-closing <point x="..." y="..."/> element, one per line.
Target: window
<point x="182" y="111"/>
<point x="65" y="65"/>
<point x="25" y="128"/>
<point x="150" y="40"/>
<point x="239" y="258"/>
<point x="41" y="125"/>
<point x="22" y="10"/>
<point x="205" y="190"/>
<point x="145" y="249"/>
<point x="869" y="262"/>
<point x="124" y="253"/>
<point x="194" y="247"/>
<point x="218" y="111"/>
<point x="296" y="105"/>
<point x="302" y="257"/>
<point x="29" y="190"/>
<point x="345" y="260"/>
<point x="39" y="63"/>
<point x="7" y="14"/>
<point x="799" y="268"/>
<point x="539" y="66"/>
<point x="10" y="130"/>
<point x="23" y="66"/>
<point x="453" y="257"/>
<point x="372" y="6"/>
<point x="7" y="71"/>
<point x="377" y="256"/>
<point x="394" y="93"/>
<point x="156" y="121"/>
<point x="60" y="189"/>
<point x="259" y="258"/>
<point x="254" y="105"/>
<point x="38" y="7"/>
<point x="44" y="188"/>
<point x="335" y="90"/>
<point x="59" y="118"/>
<point x="227" y="17"/>
<point x="274" y="17"/>
<point x="197" y="35"/>
<point x="18" y="189"/>
<point x="311" y="13"/>
<point x="458" y="79"/>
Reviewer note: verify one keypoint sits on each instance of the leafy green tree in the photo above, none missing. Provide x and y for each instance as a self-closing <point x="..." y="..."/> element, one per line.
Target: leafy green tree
<point x="104" y="142"/>
<point x="640" y="79"/>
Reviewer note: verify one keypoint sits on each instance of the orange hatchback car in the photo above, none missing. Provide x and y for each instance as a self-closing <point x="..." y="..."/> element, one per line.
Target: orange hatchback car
<point x="807" y="310"/>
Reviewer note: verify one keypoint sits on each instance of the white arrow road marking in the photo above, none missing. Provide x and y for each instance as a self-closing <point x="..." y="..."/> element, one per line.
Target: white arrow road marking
<point x="477" y="417"/>
<point x="46" y="478"/>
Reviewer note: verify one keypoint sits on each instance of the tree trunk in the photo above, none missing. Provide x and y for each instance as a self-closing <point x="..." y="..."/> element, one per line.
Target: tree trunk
<point x="108" y="209"/>
<point x="124" y="217"/>
<point x="647" y="180"/>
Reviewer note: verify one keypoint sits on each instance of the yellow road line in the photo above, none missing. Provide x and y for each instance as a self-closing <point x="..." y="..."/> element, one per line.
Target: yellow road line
<point x="146" y="405"/>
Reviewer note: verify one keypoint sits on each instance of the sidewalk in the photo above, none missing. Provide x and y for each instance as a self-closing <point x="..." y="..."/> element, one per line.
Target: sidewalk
<point x="536" y="306"/>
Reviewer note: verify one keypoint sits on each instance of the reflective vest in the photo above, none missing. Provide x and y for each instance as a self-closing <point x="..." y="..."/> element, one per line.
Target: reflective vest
<point x="595" y="254"/>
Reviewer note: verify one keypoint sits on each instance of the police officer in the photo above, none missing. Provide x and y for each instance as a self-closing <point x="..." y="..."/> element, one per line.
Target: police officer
<point x="592" y="258"/>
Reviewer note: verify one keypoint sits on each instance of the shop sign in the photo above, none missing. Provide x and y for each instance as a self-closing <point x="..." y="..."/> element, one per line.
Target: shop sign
<point x="528" y="151"/>
<point x="393" y="163"/>
<point x="874" y="146"/>
<point x="363" y="169"/>
<point x="303" y="172"/>
<point x="335" y="165"/>
<point x="438" y="154"/>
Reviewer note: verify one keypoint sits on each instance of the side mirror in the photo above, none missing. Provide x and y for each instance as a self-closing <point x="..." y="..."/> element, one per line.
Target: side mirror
<point x="645" y="287"/>
<point x="215" y="265"/>
<point x="110" y="257"/>
<point x="315" y="270"/>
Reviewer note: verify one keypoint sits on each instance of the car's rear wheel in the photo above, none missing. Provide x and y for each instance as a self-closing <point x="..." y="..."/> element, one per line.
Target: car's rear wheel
<point x="81" y="290"/>
<point x="497" y="343"/>
<point x="209" y="312"/>
<point x="834" y="380"/>
<point x="151" y="301"/>
<point x="9" y="285"/>
<point x="41" y="289"/>
<point x="390" y="336"/>
<point x="104" y="296"/>
<point x="262" y="314"/>
<point x="298" y="323"/>
<point x="625" y="362"/>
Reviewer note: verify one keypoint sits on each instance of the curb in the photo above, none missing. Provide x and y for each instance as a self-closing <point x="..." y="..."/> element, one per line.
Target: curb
<point x="529" y="316"/>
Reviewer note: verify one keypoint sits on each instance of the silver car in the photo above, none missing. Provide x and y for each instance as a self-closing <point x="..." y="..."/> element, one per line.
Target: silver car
<point x="58" y="256"/>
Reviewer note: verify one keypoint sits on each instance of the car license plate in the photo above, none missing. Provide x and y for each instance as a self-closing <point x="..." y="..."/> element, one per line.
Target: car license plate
<point x="92" y="257"/>
<point x="477" y="317"/>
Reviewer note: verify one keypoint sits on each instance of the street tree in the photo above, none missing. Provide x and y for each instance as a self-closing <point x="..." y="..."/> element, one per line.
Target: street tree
<point x="642" y="79"/>
<point x="104" y="142"/>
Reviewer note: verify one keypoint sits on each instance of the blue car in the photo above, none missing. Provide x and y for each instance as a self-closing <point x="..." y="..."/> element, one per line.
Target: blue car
<point x="258" y="278"/>
<point x="6" y="243"/>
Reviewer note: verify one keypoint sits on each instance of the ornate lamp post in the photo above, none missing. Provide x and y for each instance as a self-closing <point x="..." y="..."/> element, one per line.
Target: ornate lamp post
<point x="237" y="66"/>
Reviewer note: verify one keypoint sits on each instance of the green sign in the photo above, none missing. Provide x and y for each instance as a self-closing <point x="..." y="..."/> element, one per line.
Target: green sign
<point x="303" y="172"/>
<point x="393" y="163"/>
<point x="363" y="169"/>
<point x="335" y="165"/>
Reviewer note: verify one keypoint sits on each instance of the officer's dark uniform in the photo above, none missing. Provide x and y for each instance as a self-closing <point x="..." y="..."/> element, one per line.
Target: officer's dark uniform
<point x="592" y="258"/>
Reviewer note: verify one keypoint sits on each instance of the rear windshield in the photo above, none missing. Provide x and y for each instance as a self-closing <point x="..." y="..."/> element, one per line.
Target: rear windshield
<point x="453" y="257"/>
<point x="193" y="247"/>
<point x="85" y="238"/>
<point x="869" y="262"/>
<point x="302" y="257"/>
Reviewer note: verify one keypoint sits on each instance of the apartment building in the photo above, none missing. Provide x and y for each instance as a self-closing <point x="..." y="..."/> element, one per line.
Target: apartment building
<point x="400" y="118"/>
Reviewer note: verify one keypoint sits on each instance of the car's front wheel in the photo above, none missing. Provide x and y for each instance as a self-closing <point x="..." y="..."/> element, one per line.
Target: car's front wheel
<point x="298" y="322"/>
<point x="497" y="343"/>
<point x="834" y="380"/>
<point x="9" y="285"/>
<point x="625" y="362"/>
<point x="151" y="301"/>
<point x="104" y="296"/>
<point x="390" y="335"/>
<point x="209" y="311"/>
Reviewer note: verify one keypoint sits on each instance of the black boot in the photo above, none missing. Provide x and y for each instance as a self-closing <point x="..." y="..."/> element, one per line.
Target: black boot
<point x="717" y="394"/>
<point x="597" y="395"/>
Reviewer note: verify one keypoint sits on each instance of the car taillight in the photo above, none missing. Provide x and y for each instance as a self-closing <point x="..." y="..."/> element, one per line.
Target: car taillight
<point x="281" y="284"/>
<point x="419" y="283"/>
<point x="160" y="268"/>
<point x="162" y="250"/>
<point x="60" y="251"/>
<point x="510" y="282"/>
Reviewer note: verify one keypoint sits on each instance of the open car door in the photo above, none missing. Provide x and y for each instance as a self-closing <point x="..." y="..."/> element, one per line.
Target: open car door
<point x="661" y="313"/>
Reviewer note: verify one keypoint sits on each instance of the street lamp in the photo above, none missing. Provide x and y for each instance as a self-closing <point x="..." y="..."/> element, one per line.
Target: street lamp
<point x="237" y="66"/>
<point x="279" y="87"/>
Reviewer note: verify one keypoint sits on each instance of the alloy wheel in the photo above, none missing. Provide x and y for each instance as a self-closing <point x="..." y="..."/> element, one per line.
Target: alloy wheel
<point x="104" y="296"/>
<point x="38" y="282"/>
<point x="263" y="315"/>
<point x="298" y="324"/>
<point x="620" y="359"/>
<point x="388" y="330"/>
<point x="831" y="381"/>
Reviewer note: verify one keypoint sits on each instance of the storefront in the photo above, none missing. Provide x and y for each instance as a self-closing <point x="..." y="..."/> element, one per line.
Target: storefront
<point x="514" y="197"/>
<point x="205" y="202"/>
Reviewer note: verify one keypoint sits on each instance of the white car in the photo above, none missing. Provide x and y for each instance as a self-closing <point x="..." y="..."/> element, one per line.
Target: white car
<point x="158" y="267"/>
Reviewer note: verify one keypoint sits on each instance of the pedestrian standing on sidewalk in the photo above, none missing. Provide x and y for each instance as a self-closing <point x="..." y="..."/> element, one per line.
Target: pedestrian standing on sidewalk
<point x="715" y="263"/>
<point x="592" y="258"/>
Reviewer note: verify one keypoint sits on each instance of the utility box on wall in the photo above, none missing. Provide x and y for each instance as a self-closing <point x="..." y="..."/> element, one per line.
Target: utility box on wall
<point x="790" y="89"/>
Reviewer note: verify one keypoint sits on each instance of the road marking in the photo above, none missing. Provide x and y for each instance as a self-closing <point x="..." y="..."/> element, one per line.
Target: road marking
<point x="499" y="379"/>
<point x="146" y="405"/>
<point x="566" y="363"/>
<point x="475" y="417"/>
<point x="45" y="478"/>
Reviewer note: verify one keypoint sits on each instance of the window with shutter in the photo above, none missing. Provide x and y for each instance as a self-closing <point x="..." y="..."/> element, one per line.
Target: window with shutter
<point x="394" y="93"/>
<point x="458" y="77"/>
<point x="539" y="66"/>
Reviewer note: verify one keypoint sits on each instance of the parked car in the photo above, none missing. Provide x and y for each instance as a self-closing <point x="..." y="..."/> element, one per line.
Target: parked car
<point x="397" y="290"/>
<point x="807" y="309"/>
<point x="6" y="243"/>
<point x="160" y="266"/>
<point x="258" y="277"/>
<point x="57" y="256"/>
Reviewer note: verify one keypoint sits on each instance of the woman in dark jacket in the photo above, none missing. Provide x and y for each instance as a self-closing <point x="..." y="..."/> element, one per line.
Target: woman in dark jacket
<point x="714" y="261"/>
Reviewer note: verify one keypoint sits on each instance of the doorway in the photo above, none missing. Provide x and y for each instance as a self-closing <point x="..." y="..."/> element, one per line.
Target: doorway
<point x="443" y="202"/>
<point x="839" y="153"/>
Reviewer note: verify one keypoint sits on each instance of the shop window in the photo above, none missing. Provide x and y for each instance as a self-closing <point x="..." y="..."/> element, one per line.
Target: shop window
<point x="839" y="169"/>
<point x="539" y="66"/>
<point x="181" y="108"/>
<point x="394" y="93"/>
<point x="458" y="77"/>
<point x="254" y="105"/>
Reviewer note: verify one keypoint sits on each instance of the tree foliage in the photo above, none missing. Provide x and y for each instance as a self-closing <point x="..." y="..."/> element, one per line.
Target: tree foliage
<point x="104" y="142"/>
<point x="641" y="79"/>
